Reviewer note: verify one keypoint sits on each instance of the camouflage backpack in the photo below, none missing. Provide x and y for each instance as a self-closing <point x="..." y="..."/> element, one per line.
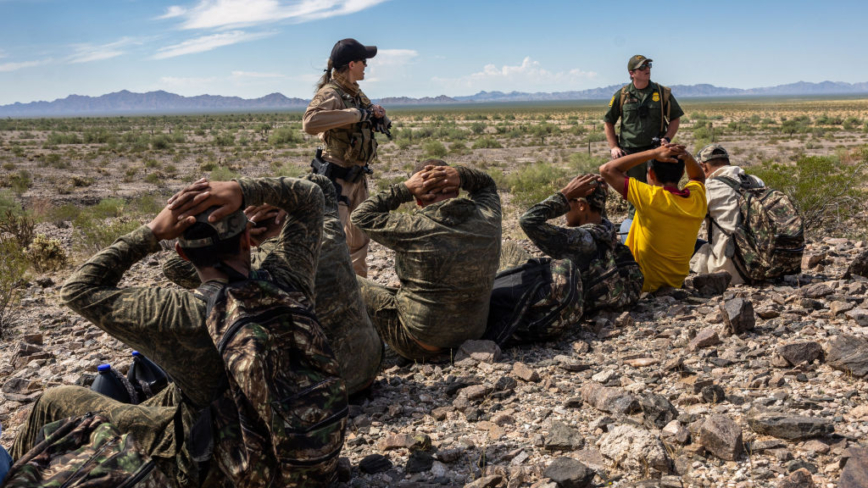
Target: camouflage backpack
<point x="769" y="236"/>
<point x="282" y="420"/>
<point x="85" y="452"/>
<point x="536" y="301"/>
<point x="613" y="280"/>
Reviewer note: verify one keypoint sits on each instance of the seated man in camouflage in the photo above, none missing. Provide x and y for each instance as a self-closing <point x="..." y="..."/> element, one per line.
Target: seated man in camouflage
<point x="446" y="256"/>
<point x="339" y="305"/>
<point x="611" y="279"/>
<point x="169" y="325"/>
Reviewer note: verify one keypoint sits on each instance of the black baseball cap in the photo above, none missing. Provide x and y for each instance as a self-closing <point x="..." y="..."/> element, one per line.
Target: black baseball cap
<point x="347" y="50"/>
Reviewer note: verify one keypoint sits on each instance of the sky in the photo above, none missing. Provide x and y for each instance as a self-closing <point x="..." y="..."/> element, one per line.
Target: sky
<point x="50" y="49"/>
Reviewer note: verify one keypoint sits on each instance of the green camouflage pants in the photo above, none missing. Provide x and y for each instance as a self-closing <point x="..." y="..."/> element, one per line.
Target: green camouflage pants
<point x="148" y="423"/>
<point x="383" y="309"/>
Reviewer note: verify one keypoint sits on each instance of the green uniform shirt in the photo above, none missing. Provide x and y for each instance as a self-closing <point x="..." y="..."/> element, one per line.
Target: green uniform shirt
<point x="446" y="256"/>
<point x="637" y="131"/>
<point x="168" y="325"/>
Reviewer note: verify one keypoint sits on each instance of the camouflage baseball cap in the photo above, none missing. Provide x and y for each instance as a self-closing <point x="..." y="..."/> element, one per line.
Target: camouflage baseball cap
<point x="597" y="199"/>
<point x="637" y="61"/>
<point x="226" y="228"/>
<point x="712" y="151"/>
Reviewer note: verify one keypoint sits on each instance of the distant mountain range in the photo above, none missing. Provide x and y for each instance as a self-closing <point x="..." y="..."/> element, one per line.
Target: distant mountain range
<point x="161" y="102"/>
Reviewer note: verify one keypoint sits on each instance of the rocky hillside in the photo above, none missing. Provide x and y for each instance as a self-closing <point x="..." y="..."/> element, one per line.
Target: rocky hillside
<point x="711" y="385"/>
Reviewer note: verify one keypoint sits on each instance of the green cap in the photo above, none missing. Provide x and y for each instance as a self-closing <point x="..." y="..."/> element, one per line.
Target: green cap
<point x="637" y="61"/>
<point x="226" y="228"/>
<point x="712" y="151"/>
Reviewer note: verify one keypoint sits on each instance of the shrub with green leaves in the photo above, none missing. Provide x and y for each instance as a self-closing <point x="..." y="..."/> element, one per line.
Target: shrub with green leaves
<point x="46" y="254"/>
<point x="17" y="226"/>
<point x="13" y="266"/>
<point x="92" y="235"/>
<point x="825" y="190"/>
<point x="434" y="149"/>
<point x="486" y="143"/>
<point x="534" y="183"/>
<point x="222" y="173"/>
<point x="284" y="135"/>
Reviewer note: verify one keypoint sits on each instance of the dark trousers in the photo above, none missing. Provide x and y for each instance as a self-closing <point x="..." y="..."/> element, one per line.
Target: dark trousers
<point x="639" y="173"/>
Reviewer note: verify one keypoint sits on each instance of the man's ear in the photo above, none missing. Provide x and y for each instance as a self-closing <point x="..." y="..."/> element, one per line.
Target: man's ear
<point x="180" y="252"/>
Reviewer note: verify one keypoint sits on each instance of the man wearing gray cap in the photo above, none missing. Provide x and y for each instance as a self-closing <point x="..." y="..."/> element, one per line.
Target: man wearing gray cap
<point x="716" y="254"/>
<point x="345" y="120"/>
<point x="646" y="109"/>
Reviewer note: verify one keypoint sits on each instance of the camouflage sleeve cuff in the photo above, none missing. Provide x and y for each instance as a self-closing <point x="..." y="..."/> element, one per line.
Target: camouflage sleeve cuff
<point x="560" y="203"/>
<point x="401" y="191"/>
<point x="144" y="238"/>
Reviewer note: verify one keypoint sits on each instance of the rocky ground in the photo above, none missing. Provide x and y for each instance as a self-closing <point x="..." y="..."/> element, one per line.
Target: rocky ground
<point x="706" y="386"/>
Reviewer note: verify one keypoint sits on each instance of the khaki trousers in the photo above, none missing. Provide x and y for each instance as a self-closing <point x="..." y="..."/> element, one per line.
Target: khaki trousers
<point x="357" y="241"/>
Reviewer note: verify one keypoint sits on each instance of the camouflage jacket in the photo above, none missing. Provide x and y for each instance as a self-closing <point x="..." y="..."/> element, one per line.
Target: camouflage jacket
<point x="168" y="325"/>
<point x="446" y="257"/>
<point x="593" y="248"/>
<point x="339" y="305"/>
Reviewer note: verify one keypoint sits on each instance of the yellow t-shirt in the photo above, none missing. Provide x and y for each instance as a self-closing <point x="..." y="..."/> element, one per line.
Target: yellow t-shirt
<point x="664" y="231"/>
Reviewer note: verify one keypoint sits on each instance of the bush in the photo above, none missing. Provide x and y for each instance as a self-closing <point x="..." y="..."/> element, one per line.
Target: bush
<point x="582" y="163"/>
<point x="534" y="183"/>
<point x="284" y="135"/>
<point x="13" y="265"/>
<point x="93" y="235"/>
<point x="434" y="149"/>
<point x="486" y="143"/>
<point x="18" y="227"/>
<point x="823" y="188"/>
<point x="46" y="254"/>
<point x="222" y="173"/>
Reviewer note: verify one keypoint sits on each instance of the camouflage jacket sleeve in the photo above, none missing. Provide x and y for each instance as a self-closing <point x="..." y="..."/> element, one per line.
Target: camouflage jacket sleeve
<point x="129" y="314"/>
<point x="481" y="188"/>
<point x="376" y="218"/>
<point x="294" y="259"/>
<point x="556" y="241"/>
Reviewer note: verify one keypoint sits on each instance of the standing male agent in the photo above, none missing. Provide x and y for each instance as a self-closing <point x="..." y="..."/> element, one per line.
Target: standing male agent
<point x="647" y="110"/>
<point x="345" y="119"/>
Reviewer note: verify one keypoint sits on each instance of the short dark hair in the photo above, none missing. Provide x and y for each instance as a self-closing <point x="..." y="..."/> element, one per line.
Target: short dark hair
<point x="420" y="165"/>
<point x="210" y="255"/>
<point x="667" y="172"/>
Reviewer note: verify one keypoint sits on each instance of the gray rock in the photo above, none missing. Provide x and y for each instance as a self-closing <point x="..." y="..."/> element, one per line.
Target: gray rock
<point x="676" y="431"/>
<point x="855" y="474"/>
<point x="712" y="394"/>
<point x="418" y="462"/>
<point x="817" y="290"/>
<point x="858" y="267"/>
<point x="18" y="386"/>
<point x="485" y="482"/>
<point x="849" y="353"/>
<point x="657" y="411"/>
<point x="858" y="315"/>
<point x="375" y="463"/>
<point x="800" y="352"/>
<point x="801" y="478"/>
<point x="569" y="473"/>
<point x="610" y="400"/>
<point x="525" y="373"/>
<point x="705" y="338"/>
<point x="788" y="427"/>
<point x="838" y="307"/>
<point x="634" y="448"/>
<point x="709" y="285"/>
<point x="563" y="438"/>
<point x="485" y="351"/>
<point x="721" y="436"/>
<point x="738" y="315"/>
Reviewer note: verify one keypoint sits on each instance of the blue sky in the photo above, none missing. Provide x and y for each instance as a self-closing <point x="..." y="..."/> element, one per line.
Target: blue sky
<point x="53" y="48"/>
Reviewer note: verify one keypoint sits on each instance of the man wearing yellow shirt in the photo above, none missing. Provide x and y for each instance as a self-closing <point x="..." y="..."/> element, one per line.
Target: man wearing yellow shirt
<point x="663" y="234"/>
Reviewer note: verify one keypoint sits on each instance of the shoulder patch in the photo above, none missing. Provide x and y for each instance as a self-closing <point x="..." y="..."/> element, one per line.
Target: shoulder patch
<point x="655" y="97"/>
<point x="612" y="101"/>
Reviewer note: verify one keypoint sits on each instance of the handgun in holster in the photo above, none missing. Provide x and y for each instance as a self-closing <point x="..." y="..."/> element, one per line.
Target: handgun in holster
<point x="334" y="172"/>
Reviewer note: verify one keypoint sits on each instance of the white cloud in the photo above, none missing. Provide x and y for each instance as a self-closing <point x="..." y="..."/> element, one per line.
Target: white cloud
<point x="7" y="67"/>
<point x="227" y="14"/>
<point x="527" y="75"/>
<point x="393" y="57"/>
<point x="86" y="53"/>
<point x="207" y="43"/>
<point x="172" y="12"/>
<point x="255" y="75"/>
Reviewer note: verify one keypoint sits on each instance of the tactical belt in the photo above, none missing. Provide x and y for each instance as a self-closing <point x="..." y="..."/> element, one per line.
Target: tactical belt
<point x="334" y="172"/>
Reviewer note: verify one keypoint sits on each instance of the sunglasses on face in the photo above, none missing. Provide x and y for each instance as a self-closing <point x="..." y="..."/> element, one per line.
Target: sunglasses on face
<point x="643" y="67"/>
